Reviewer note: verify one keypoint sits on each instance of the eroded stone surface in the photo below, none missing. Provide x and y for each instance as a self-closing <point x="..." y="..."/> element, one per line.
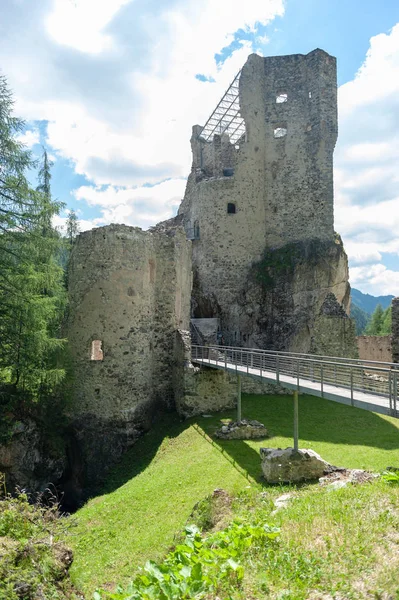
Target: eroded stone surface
<point x="242" y="430"/>
<point x="292" y="466"/>
<point x="27" y="460"/>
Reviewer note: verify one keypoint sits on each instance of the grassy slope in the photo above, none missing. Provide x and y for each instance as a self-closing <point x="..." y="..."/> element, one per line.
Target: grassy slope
<point x="118" y="531"/>
<point x="341" y="544"/>
<point x="151" y="494"/>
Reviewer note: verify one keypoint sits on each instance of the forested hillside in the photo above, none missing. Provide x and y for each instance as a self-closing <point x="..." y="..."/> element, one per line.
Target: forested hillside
<point x="33" y="361"/>
<point x="367" y="302"/>
<point x="363" y="307"/>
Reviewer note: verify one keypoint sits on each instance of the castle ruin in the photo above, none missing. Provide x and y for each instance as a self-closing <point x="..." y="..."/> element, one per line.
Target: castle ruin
<point x="252" y="247"/>
<point x="259" y="208"/>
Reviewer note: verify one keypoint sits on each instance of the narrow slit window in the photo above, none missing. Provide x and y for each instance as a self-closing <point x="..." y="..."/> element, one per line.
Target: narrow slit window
<point x="97" y="350"/>
<point x="280" y="98"/>
<point x="280" y="132"/>
<point x="231" y="208"/>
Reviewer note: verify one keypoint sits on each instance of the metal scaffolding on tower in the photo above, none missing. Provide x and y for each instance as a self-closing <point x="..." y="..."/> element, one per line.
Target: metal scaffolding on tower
<point x="226" y="117"/>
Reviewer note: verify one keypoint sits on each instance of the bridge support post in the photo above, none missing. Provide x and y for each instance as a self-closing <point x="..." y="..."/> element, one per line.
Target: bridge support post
<point x="239" y="415"/>
<point x="296" y="421"/>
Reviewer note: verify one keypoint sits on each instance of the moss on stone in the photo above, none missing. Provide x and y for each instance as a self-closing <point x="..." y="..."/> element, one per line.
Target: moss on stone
<point x="279" y="263"/>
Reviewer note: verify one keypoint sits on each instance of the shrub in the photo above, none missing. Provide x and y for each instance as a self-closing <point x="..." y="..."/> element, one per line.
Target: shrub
<point x="198" y="566"/>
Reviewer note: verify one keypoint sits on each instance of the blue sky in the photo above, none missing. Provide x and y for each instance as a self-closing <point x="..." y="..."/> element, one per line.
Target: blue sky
<point x="112" y="87"/>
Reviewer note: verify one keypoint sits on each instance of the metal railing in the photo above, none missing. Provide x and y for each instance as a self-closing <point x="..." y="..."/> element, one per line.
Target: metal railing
<point x="369" y="377"/>
<point x="196" y="333"/>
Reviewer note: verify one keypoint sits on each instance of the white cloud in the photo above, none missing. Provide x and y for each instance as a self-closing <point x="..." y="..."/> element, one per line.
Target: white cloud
<point x="30" y="137"/>
<point x="375" y="279"/>
<point x="141" y="206"/>
<point x="80" y="23"/>
<point x="366" y="174"/>
<point x="60" y="221"/>
<point x="262" y="39"/>
<point x="117" y="79"/>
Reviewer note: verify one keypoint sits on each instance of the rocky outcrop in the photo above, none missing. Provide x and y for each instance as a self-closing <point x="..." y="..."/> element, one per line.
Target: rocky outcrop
<point x="297" y="295"/>
<point x="27" y="459"/>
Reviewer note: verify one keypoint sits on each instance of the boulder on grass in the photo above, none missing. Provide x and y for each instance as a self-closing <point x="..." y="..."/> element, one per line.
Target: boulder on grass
<point x="292" y="466"/>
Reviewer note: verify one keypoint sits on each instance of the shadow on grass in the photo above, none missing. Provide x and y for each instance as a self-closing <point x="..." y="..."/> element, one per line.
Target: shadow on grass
<point x="319" y="421"/>
<point x="324" y="421"/>
<point x="137" y="458"/>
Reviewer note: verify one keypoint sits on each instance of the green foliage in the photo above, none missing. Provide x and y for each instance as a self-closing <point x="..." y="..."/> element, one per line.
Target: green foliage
<point x="33" y="563"/>
<point x="198" y="566"/>
<point x="32" y="293"/>
<point x="72" y="227"/>
<point x="386" y="328"/>
<point x="391" y="476"/>
<point x="380" y="322"/>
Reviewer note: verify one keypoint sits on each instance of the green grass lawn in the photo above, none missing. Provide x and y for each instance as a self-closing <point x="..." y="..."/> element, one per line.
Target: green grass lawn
<point x="152" y="492"/>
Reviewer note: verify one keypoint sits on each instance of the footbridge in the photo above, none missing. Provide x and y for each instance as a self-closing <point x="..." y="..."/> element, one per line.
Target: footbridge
<point x="364" y="384"/>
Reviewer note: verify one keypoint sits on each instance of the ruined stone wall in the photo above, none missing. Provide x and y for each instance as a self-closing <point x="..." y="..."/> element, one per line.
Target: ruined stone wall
<point x="282" y="190"/>
<point x="129" y="290"/>
<point x="207" y="390"/>
<point x="395" y="330"/>
<point x="375" y="347"/>
<point x="333" y="332"/>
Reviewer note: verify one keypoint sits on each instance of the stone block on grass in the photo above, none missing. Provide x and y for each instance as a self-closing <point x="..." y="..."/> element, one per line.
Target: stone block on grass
<point x="292" y="466"/>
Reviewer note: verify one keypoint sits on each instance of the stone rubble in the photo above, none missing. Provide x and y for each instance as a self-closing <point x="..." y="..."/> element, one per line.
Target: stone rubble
<point x="344" y="477"/>
<point x="242" y="430"/>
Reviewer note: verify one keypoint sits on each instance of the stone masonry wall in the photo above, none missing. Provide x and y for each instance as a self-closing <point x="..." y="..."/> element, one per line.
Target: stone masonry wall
<point x="129" y="290"/>
<point x="334" y="333"/>
<point x="395" y="330"/>
<point x="375" y="347"/>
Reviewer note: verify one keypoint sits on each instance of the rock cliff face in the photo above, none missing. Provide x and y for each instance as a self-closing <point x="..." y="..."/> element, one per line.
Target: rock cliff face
<point x="27" y="459"/>
<point x="283" y="306"/>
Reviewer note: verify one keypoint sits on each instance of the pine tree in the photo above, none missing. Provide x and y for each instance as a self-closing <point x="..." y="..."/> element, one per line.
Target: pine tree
<point x="44" y="187"/>
<point x="32" y="296"/>
<point x="374" y="327"/>
<point x="386" y="327"/>
<point x="72" y="226"/>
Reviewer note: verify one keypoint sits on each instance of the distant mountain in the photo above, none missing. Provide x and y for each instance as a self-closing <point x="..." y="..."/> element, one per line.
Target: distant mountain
<point x="367" y="302"/>
<point x="360" y="317"/>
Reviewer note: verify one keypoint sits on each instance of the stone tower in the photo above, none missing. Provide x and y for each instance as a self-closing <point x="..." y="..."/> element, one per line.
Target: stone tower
<point x="259" y="204"/>
<point x="129" y="294"/>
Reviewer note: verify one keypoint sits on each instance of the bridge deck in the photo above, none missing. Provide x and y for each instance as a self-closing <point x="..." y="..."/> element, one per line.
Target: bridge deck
<point x="380" y="403"/>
